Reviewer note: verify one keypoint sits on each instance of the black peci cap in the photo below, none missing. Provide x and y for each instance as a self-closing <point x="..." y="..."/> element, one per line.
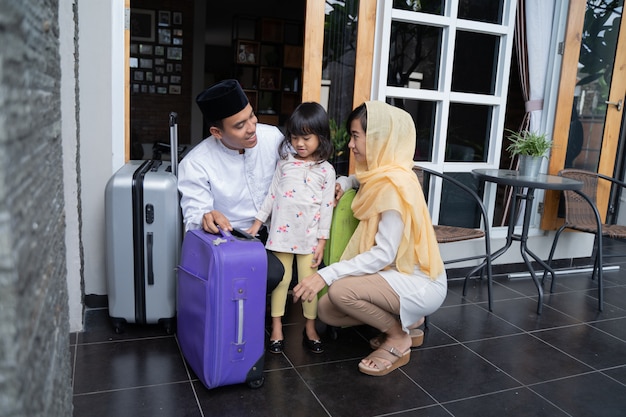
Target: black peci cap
<point x="222" y="100"/>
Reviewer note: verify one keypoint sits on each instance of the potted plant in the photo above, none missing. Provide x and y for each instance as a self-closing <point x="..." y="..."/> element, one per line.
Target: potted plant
<point x="530" y="147"/>
<point x="340" y="138"/>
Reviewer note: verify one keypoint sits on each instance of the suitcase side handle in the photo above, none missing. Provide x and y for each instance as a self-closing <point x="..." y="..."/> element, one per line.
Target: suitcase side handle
<point x="236" y="233"/>
<point x="241" y="233"/>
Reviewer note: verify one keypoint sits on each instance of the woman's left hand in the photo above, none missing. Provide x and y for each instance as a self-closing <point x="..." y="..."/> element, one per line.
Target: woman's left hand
<point x="308" y="288"/>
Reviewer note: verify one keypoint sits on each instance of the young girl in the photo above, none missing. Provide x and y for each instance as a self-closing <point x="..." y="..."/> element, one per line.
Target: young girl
<point x="300" y="201"/>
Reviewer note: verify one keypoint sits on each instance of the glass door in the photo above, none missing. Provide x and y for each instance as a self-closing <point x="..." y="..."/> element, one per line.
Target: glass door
<point x="595" y="116"/>
<point x="599" y="98"/>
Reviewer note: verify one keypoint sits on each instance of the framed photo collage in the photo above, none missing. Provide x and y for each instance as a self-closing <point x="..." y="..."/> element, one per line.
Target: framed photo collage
<point x="156" y="51"/>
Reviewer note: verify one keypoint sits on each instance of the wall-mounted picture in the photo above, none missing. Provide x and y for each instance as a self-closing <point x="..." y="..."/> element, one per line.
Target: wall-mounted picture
<point x="165" y="36"/>
<point x="134" y="49"/>
<point x="159" y="50"/>
<point x="175" y="53"/>
<point x="138" y="76"/>
<point x="145" y="49"/>
<point x="174" y="89"/>
<point x="177" y="41"/>
<point x="177" y="32"/>
<point x="175" y="79"/>
<point x="164" y="18"/>
<point x="145" y="63"/>
<point x="247" y="52"/>
<point x="142" y="25"/>
<point x="177" y="18"/>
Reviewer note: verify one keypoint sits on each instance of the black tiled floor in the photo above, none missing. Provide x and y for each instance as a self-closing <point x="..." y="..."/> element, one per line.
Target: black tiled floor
<point x="570" y="361"/>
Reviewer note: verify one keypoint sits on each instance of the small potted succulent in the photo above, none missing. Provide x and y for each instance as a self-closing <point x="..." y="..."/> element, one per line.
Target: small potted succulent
<point x="530" y="147"/>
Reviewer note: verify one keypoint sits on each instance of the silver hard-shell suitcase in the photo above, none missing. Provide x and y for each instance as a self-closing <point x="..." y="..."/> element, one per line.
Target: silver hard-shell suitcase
<point x="143" y="239"/>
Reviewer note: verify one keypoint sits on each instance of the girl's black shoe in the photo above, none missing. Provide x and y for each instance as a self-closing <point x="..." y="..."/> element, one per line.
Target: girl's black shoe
<point x="314" y="346"/>
<point x="276" y="346"/>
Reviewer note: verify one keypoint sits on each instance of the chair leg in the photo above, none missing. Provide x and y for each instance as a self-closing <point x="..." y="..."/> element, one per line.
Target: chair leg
<point x="469" y="275"/>
<point x="482" y="268"/>
<point x="489" y="285"/>
<point x="594" y="256"/>
<point x="600" y="273"/>
<point x="597" y="268"/>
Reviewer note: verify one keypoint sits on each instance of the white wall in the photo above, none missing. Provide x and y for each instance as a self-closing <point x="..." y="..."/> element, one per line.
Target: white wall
<point x="70" y="173"/>
<point x="101" y="83"/>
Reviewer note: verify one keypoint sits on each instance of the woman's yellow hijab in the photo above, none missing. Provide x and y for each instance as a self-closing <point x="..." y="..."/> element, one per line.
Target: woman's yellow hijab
<point x="389" y="183"/>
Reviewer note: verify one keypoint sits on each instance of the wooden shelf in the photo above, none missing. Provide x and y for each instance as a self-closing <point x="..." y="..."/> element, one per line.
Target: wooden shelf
<point x="269" y="67"/>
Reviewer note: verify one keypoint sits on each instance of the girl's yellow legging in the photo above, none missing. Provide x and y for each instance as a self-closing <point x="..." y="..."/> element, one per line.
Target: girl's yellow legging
<point x="279" y="295"/>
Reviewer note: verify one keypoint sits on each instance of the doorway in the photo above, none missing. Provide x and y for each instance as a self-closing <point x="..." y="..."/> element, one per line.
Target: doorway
<point x="176" y="49"/>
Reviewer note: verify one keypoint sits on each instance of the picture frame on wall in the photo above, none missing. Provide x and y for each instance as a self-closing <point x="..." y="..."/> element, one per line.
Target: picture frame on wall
<point x="165" y="36"/>
<point x="142" y="25"/>
<point x="145" y="63"/>
<point x="175" y="53"/>
<point x="164" y="17"/>
<point x="177" y="18"/>
<point x="145" y="49"/>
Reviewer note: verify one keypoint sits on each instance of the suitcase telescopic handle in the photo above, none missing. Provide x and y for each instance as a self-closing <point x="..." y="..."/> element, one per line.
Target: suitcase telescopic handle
<point x="174" y="142"/>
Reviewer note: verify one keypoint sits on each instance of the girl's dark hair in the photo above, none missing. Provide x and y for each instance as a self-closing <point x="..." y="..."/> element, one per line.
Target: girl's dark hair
<point x="359" y="113"/>
<point x="308" y="118"/>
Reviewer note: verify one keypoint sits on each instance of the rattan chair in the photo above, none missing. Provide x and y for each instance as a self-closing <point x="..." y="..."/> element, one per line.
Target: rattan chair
<point x="447" y="234"/>
<point x="582" y="214"/>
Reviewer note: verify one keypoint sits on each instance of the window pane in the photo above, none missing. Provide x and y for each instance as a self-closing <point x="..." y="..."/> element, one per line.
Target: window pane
<point x="423" y="6"/>
<point x="423" y="114"/>
<point x="340" y="31"/>
<point x="489" y="11"/>
<point x="468" y="132"/>
<point x="414" y="53"/>
<point x="458" y="208"/>
<point x="475" y="63"/>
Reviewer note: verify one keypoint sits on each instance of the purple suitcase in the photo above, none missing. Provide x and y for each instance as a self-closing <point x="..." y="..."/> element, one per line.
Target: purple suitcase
<point x="221" y="307"/>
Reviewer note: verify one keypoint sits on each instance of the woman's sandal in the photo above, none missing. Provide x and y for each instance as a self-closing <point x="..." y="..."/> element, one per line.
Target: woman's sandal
<point x="417" y="339"/>
<point x="380" y="358"/>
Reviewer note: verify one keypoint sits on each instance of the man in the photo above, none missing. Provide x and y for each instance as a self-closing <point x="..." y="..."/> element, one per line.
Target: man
<point x="224" y="179"/>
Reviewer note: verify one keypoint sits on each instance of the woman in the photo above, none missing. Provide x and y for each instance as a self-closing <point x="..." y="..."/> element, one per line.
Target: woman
<point x="391" y="274"/>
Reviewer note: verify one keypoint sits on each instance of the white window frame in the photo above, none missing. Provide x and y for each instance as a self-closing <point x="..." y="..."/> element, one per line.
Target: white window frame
<point x="443" y="96"/>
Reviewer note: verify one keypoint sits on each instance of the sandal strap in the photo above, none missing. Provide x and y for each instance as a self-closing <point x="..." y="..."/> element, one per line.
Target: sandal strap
<point x="395" y="352"/>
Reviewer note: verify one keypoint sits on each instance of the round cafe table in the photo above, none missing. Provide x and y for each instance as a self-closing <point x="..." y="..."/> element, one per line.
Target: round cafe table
<point x="524" y="189"/>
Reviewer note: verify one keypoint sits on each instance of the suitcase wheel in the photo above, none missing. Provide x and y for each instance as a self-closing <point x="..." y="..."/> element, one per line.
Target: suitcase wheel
<point x="119" y="325"/>
<point x="257" y="383"/>
<point x="169" y="325"/>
